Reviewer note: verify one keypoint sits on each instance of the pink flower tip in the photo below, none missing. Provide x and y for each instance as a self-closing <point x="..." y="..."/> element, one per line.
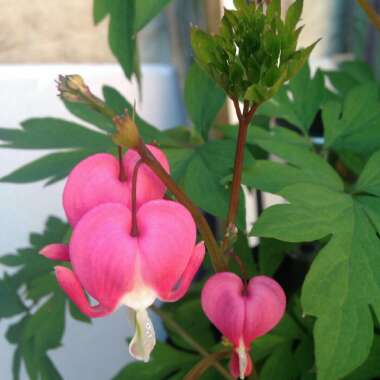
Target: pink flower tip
<point x="56" y="251"/>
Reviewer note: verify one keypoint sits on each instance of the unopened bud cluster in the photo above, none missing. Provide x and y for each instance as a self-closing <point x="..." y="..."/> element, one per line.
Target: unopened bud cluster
<point x="255" y="51"/>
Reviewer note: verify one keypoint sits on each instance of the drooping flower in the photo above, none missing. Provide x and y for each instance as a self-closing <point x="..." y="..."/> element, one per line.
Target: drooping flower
<point x="242" y="313"/>
<point x="95" y="180"/>
<point x="116" y="268"/>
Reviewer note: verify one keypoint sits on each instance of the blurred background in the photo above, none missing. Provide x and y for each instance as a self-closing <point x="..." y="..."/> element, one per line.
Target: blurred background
<point x="40" y="39"/>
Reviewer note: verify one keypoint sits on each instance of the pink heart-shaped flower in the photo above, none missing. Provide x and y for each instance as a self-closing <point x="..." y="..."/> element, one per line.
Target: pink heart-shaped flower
<point x="242" y="313"/>
<point x="116" y="268"/>
<point x="95" y="180"/>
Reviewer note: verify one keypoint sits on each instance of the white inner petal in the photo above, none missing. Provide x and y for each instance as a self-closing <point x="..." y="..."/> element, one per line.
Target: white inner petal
<point x="144" y="339"/>
<point x="141" y="297"/>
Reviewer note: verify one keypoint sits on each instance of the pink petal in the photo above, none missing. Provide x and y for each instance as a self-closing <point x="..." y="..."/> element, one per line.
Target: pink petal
<point x="93" y="181"/>
<point x="235" y="368"/>
<point x="72" y="287"/>
<point x="149" y="186"/>
<point x="166" y="239"/>
<point x="266" y="303"/>
<point x="223" y="303"/>
<point x="56" y="251"/>
<point x="103" y="253"/>
<point x="187" y="276"/>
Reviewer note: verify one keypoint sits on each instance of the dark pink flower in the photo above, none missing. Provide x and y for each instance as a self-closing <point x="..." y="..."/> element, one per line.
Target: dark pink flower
<point x="116" y="268"/>
<point x="242" y="313"/>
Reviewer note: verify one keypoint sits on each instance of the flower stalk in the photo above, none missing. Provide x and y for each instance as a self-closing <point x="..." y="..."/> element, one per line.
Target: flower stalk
<point x="244" y="116"/>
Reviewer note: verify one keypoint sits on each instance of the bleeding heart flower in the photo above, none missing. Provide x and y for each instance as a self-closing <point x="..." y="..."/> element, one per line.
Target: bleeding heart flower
<point x="95" y="180"/>
<point x="242" y="313"/>
<point x="116" y="268"/>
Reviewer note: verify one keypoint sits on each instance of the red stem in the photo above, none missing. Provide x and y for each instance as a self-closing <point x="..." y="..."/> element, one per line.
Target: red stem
<point x="122" y="174"/>
<point x="245" y="118"/>
<point x="134" y="227"/>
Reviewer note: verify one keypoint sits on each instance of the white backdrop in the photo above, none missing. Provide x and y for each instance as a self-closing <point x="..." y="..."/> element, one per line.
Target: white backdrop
<point x="89" y="352"/>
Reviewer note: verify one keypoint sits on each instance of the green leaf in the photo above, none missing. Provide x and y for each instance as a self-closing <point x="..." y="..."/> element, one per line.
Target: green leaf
<point x="202" y="171"/>
<point x="31" y="359"/>
<point x="165" y="360"/>
<point x="52" y="167"/>
<point x="306" y="167"/>
<point x="190" y="316"/>
<point x="371" y="206"/>
<point x="146" y="10"/>
<point x="203" y="46"/>
<point x="77" y="315"/>
<point x="10" y="303"/>
<point x="48" y="370"/>
<point x="304" y="358"/>
<point x="369" y="180"/>
<point x="293" y="14"/>
<point x="271" y="254"/>
<point x="88" y="114"/>
<point x="281" y="365"/>
<point x="349" y="75"/>
<point x="51" y="133"/>
<point x="355" y="126"/>
<point x="47" y="325"/>
<point x="299" y="101"/>
<point x="274" y="8"/>
<point x="121" y="35"/>
<point x="16" y="364"/>
<point x="371" y="367"/>
<point x="100" y="10"/>
<point x="344" y="279"/>
<point x="203" y="99"/>
<point x="15" y="330"/>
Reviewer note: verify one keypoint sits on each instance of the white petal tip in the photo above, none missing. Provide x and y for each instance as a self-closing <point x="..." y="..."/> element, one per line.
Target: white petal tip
<point x="144" y="339"/>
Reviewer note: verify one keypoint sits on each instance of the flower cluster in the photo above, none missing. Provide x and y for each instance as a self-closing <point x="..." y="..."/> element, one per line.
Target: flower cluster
<point x="129" y="246"/>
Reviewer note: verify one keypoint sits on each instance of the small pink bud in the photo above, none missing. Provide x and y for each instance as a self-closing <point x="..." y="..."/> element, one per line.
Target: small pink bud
<point x="241" y="313"/>
<point x="95" y="180"/>
<point x="117" y="269"/>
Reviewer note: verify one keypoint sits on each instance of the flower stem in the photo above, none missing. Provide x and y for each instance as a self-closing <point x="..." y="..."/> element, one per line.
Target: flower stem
<point x="371" y="13"/>
<point x="244" y="118"/>
<point x="217" y="259"/>
<point x="122" y="174"/>
<point x="134" y="227"/>
<point x="203" y="365"/>
<point x="174" y="326"/>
